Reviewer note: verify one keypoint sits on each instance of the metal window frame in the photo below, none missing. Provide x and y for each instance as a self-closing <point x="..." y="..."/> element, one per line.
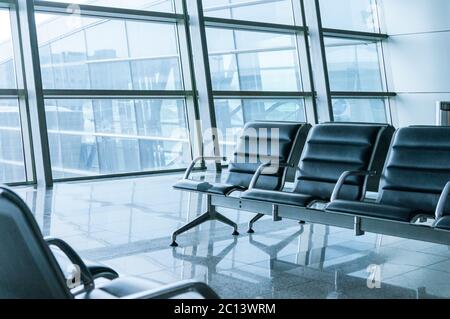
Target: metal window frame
<point x="188" y="95"/>
<point x="107" y="12"/>
<point x="301" y="33"/>
<point x="261" y="95"/>
<point x="198" y="93"/>
<point x="115" y="94"/>
<point x="355" y="35"/>
<point x="255" y="26"/>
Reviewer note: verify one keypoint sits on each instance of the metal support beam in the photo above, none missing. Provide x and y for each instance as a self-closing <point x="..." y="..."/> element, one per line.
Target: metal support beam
<point x="10" y="93"/>
<point x="320" y="68"/>
<point x="116" y="94"/>
<point x="261" y="94"/>
<point x="106" y="12"/>
<point x="36" y="103"/>
<point x="203" y="81"/>
<point x="354" y="95"/>
<point x="354" y="35"/>
<point x="253" y="26"/>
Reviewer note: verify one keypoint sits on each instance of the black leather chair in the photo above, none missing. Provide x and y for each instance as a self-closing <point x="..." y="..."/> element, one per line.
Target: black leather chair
<point x="412" y="182"/>
<point x="331" y="149"/>
<point x="254" y="148"/>
<point x="29" y="270"/>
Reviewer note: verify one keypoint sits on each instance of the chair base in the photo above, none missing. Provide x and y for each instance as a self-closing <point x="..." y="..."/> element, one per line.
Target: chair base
<point x="210" y="215"/>
<point x="252" y="222"/>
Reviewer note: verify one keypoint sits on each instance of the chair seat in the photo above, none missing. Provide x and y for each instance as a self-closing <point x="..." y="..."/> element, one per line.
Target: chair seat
<point x="125" y="287"/>
<point x="443" y="223"/>
<point x="206" y="187"/>
<point x="276" y="197"/>
<point x="372" y="210"/>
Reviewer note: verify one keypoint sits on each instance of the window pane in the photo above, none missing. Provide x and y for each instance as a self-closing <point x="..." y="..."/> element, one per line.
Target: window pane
<point x="253" y="61"/>
<point x="97" y="137"/>
<point x="12" y="167"/>
<point x="90" y="53"/>
<point x="357" y="15"/>
<point x="233" y="115"/>
<point x="359" y="110"/>
<point x="7" y="73"/>
<point x="275" y="11"/>
<point x="150" y="5"/>
<point x="353" y="65"/>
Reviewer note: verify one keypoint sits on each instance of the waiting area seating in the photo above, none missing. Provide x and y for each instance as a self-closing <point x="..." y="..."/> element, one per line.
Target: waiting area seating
<point x="340" y="162"/>
<point x="331" y="149"/>
<point x="279" y="140"/>
<point x="29" y="269"/>
<point x="415" y="182"/>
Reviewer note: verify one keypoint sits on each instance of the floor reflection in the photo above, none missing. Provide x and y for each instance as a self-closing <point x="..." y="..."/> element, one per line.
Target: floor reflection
<point x="127" y="223"/>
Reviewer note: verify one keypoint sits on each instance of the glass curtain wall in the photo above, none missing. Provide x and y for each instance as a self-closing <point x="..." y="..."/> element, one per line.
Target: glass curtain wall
<point x="12" y="160"/>
<point x="97" y="134"/>
<point x="253" y="63"/>
<point x="119" y="84"/>
<point x="354" y="55"/>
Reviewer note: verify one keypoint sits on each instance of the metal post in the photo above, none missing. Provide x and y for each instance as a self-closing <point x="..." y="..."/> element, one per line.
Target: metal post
<point x="320" y="70"/>
<point x="203" y="77"/>
<point x="36" y="102"/>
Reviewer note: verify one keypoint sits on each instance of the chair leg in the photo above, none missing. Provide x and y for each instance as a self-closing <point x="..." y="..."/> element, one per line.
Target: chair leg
<point x="211" y="214"/>
<point x="252" y="221"/>
<point x="196" y="222"/>
<point x="225" y="220"/>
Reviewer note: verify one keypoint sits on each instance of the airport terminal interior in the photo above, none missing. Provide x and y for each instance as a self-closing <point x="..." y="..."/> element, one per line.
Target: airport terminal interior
<point x="242" y="149"/>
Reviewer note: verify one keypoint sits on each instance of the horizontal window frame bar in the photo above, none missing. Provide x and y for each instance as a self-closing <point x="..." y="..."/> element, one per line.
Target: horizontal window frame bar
<point x="21" y="184"/>
<point x="121" y="175"/>
<point x="116" y="94"/>
<point x="11" y="93"/>
<point x="353" y="35"/>
<point x="253" y="26"/>
<point x="7" y="4"/>
<point x="108" y="12"/>
<point x="344" y="94"/>
<point x="261" y="95"/>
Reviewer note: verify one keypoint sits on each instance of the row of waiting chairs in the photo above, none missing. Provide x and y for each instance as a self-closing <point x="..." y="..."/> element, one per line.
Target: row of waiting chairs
<point x="339" y="163"/>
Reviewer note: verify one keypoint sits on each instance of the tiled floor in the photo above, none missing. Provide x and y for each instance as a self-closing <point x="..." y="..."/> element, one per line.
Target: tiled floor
<point x="127" y="223"/>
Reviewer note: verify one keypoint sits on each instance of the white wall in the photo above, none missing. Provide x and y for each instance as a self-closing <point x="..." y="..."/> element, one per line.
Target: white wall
<point x="417" y="57"/>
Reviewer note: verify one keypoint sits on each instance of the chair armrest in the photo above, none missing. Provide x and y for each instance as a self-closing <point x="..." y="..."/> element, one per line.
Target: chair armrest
<point x="344" y="177"/>
<point x="86" y="277"/>
<point x="260" y="171"/>
<point x="201" y="158"/>
<point x="442" y="201"/>
<point x="173" y="290"/>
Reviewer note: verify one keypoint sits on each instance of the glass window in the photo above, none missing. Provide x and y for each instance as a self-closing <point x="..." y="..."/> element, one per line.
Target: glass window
<point x="12" y="167"/>
<point x="353" y="65"/>
<point x="359" y="110"/>
<point x="253" y="61"/>
<point x="233" y="115"/>
<point x="150" y="5"/>
<point x="97" y="137"/>
<point x="356" y="15"/>
<point x="7" y="73"/>
<point x="272" y="11"/>
<point x="90" y="53"/>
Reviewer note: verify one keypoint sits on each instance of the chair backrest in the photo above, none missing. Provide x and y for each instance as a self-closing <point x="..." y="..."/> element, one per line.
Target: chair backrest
<point x="261" y="142"/>
<point x="332" y="149"/>
<point x="417" y="168"/>
<point x="28" y="269"/>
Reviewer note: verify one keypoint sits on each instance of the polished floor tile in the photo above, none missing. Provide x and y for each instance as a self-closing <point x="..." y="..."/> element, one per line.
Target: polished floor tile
<point x="127" y="223"/>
